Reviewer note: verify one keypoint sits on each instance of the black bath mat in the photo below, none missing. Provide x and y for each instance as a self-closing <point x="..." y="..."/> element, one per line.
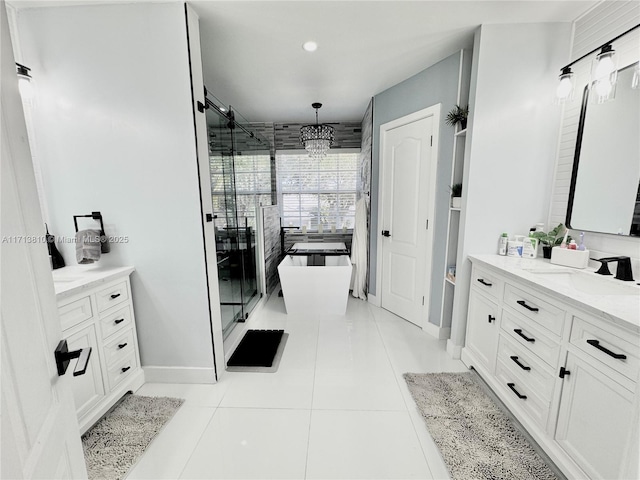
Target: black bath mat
<point x="257" y="348"/>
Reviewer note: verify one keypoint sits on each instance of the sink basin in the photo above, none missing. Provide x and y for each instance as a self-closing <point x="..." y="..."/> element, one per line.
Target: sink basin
<point x="586" y="282"/>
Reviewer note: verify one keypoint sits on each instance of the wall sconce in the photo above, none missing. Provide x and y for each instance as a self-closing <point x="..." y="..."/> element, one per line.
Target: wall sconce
<point x="604" y="74"/>
<point x="566" y="87"/>
<point x="24" y="82"/>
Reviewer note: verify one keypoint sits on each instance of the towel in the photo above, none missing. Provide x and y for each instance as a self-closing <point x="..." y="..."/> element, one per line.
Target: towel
<point x="87" y="246"/>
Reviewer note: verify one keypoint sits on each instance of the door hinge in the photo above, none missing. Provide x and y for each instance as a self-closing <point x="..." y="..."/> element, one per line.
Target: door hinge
<point x="427" y="224"/>
<point x="432" y="140"/>
<point x="422" y="301"/>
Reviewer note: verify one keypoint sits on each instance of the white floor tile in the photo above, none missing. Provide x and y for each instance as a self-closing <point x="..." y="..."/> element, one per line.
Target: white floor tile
<point x="288" y="388"/>
<point x="252" y="444"/>
<point x="357" y="389"/>
<point x="169" y="452"/>
<point x="364" y="445"/>
<point x="195" y="395"/>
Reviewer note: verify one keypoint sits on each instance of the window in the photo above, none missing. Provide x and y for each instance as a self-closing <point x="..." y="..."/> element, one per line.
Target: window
<point x="312" y="191"/>
<point x="249" y="177"/>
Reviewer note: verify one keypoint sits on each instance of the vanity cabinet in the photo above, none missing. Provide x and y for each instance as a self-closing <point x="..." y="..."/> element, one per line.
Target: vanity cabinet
<point x="97" y="311"/>
<point x="568" y="375"/>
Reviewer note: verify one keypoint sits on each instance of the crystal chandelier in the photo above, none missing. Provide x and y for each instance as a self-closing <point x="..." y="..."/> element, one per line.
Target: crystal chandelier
<point x="316" y="138"/>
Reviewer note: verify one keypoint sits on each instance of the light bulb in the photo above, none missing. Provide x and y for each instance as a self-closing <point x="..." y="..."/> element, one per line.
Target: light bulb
<point x="605" y="67"/>
<point x="564" y="88"/>
<point x="26" y="88"/>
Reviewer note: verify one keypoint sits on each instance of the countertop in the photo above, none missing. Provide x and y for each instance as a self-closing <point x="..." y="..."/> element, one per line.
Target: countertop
<point x="620" y="308"/>
<point x="71" y="280"/>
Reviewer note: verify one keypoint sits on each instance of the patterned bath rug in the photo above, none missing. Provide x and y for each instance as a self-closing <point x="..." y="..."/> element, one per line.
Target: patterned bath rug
<point x="116" y="442"/>
<point x="476" y="439"/>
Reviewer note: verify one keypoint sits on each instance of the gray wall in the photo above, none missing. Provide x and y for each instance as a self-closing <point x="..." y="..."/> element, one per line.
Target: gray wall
<point x="436" y="84"/>
<point x="117" y="135"/>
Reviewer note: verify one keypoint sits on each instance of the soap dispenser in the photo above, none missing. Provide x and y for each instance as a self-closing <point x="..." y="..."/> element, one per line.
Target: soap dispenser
<point x="56" y="258"/>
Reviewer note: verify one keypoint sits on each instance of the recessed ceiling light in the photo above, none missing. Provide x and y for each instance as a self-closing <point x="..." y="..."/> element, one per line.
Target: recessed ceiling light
<point x="310" y="46"/>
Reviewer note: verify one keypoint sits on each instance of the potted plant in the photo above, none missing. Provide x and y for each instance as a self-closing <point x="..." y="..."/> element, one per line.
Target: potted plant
<point x="456" y="194"/>
<point x="551" y="239"/>
<point x="458" y="115"/>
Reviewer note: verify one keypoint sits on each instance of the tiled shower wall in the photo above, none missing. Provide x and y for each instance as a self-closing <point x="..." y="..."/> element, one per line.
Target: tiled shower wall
<point x="272" y="247"/>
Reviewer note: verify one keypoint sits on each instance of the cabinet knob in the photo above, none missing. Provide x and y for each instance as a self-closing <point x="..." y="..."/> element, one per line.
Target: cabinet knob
<point x="120" y="320"/>
<point x="517" y="362"/>
<point x="512" y="386"/>
<point x="124" y="369"/>
<point x="115" y="295"/>
<point x="563" y="372"/>
<point x="522" y="303"/>
<point x="491" y="318"/>
<point x="519" y="332"/>
<point x="484" y="282"/>
<point x="122" y="345"/>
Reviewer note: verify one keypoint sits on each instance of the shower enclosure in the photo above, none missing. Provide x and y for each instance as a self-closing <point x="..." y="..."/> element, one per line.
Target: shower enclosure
<point x="240" y="166"/>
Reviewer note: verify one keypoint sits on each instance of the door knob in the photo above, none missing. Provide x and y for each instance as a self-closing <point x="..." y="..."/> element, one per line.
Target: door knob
<point x="64" y="356"/>
<point x="385" y="233"/>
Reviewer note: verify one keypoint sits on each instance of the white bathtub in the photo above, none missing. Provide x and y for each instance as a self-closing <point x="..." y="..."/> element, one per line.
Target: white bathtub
<point x="322" y="289"/>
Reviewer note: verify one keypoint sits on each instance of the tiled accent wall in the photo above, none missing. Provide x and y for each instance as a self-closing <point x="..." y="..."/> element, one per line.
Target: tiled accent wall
<point x="272" y="245"/>
<point x="347" y="135"/>
<point x="291" y="237"/>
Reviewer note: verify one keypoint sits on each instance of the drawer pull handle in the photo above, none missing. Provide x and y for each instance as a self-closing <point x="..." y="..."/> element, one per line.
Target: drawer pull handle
<point x="519" y="332"/>
<point x="517" y="362"/>
<point x="122" y="345"/>
<point x="114" y="296"/>
<point x="120" y="320"/>
<point x="512" y="386"/>
<point x="124" y="369"/>
<point x="564" y="372"/>
<point x="492" y="318"/>
<point x="596" y="343"/>
<point x="484" y="282"/>
<point x="528" y="307"/>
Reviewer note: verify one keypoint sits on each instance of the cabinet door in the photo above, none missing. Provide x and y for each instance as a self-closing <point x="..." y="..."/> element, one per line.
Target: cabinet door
<point x="594" y="418"/>
<point x="88" y="389"/>
<point x="482" y="330"/>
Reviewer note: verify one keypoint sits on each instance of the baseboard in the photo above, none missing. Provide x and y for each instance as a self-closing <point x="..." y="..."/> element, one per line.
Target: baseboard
<point x="438" y="332"/>
<point x="454" y="351"/>
<point x="373" y="300"/>
<point x="179" y="375"/>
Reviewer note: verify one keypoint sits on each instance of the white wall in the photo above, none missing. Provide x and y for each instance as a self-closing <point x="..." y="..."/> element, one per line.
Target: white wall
<point x="604" y="22"/>
<point x="511" y="141"/>
<point x="115" y="133"/>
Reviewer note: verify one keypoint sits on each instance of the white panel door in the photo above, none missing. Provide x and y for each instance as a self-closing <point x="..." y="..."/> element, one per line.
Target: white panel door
<point x="40" y="434"/>
<point x="405" y="202"/>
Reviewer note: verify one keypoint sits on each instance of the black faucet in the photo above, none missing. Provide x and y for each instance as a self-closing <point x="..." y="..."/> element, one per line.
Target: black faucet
<point x="623" y="270"/>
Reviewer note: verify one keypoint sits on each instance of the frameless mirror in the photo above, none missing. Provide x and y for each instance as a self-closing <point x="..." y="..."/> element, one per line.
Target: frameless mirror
<point x="605" y="191"/>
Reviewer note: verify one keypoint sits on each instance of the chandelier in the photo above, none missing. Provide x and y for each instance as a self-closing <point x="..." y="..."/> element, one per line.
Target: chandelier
<point x="316" y="138"/>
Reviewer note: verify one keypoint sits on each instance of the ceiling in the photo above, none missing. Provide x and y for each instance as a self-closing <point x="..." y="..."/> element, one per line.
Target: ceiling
<point x="253" y="57"/>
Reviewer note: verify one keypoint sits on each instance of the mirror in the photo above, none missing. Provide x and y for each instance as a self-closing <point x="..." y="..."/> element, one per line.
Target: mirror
<point x="604" y="195"/>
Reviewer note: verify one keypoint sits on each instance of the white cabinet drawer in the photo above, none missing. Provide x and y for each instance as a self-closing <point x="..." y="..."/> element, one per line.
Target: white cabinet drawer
<point x="530" y="336"/>
<point x="526" y="367"/>
<point x="75" y="312"/>
<point x="112" y="296"/>
<point x="121" y="370"/>
<point x="523" y="395"/>
<point x="119" y="348"/>
<point x="116" y="321"/>
<point x="541" y="312"/>
<point x="619" y="354"/>
<point x="487" y="283"/>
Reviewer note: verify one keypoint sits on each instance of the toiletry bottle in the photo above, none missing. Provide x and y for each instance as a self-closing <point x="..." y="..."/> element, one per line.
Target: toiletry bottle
<point x="530" y="247"/>
<point x="581" y="247"/>
<point x="502" y="244"/>
<point x="572" y="245"/>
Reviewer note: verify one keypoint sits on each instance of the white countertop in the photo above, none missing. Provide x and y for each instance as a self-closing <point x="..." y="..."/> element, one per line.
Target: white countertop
<point x="70" y="280"/>
<point x="620" y="308"/>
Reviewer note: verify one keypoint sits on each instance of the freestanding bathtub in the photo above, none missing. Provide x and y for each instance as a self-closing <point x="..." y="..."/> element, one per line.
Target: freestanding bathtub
<point x="308" y="287"/>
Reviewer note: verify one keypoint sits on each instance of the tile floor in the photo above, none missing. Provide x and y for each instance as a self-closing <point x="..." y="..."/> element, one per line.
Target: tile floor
<point x="338" y="407"/>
